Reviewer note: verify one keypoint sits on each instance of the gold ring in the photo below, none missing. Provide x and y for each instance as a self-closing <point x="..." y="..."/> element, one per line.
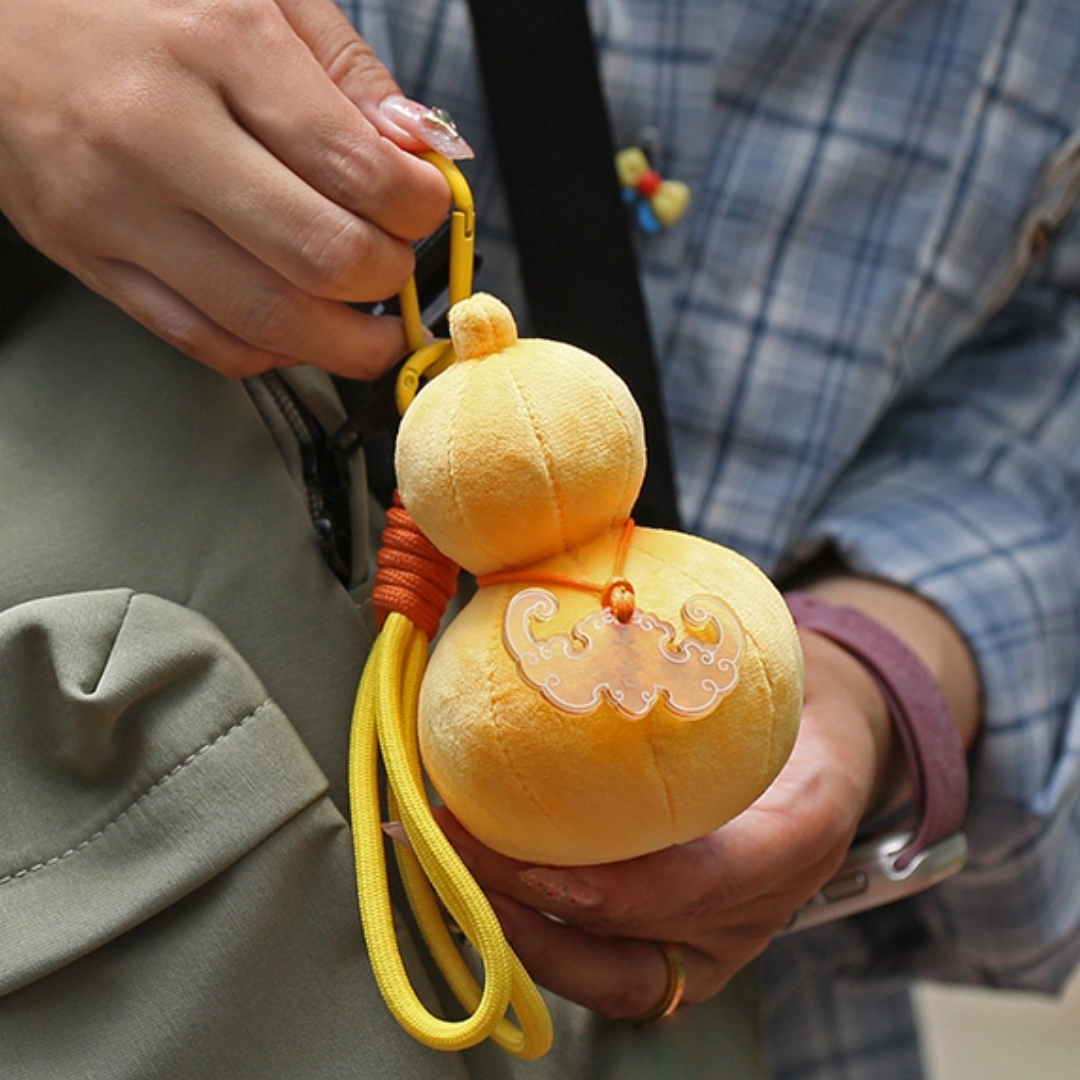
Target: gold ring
<point x="673" y="991"/>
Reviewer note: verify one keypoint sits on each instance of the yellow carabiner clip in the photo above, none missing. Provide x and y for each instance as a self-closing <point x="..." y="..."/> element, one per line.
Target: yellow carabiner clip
<point x="431" y="357"/>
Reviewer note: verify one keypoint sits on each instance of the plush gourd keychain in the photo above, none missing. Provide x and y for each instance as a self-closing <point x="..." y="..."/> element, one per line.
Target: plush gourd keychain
<point x="608" y="691"/>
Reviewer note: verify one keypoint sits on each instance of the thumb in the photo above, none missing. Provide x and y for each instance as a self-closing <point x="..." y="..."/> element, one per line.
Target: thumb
<point x="356" y="70"/>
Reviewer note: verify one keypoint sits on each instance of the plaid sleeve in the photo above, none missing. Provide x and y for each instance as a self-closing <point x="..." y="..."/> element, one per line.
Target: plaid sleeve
<point x="970" y="494"/>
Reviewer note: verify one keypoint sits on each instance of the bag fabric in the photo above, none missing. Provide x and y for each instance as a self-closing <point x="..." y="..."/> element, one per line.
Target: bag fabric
<point x="179" y="664"/>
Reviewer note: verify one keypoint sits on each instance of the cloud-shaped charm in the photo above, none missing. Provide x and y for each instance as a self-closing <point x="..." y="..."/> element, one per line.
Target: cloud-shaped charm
<point x="632" y="665"/>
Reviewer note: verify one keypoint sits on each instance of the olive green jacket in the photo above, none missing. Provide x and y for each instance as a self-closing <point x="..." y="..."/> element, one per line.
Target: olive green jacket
<point x="178" y="664"/>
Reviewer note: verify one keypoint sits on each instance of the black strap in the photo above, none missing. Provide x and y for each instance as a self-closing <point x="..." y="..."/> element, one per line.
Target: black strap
<point x="26" y="276"/>
<point x="553" y="137"/>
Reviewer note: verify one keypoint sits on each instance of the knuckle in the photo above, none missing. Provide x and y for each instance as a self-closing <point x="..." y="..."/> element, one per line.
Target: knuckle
<point x="112" y="113"/>
<point x="44" y="224"/>
<point x="700" y="904"/>
<point x="329" y="255"/>
<point x="634" y="912"/>
<point x="346" y="261"/>
<point x="201" y="22"/>
<point x="347" y="57"/>
<point x="267" y="317"/>
<point x="628" y="1000"/>
<point x="406" y="197"/>
<point x="348" y="166"/>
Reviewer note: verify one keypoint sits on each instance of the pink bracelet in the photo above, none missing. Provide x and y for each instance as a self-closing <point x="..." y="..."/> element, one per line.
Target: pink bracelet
<point x="931" y="741"/>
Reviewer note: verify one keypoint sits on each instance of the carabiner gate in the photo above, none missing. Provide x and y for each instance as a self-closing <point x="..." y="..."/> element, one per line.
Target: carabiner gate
<point x="430" y="357"/>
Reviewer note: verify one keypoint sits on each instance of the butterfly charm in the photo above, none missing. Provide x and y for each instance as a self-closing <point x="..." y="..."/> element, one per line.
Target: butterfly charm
<point x="657" y="203"/>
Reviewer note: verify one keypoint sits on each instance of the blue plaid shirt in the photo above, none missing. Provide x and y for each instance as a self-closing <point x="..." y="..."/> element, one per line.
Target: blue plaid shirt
<point x="869" y="331"/>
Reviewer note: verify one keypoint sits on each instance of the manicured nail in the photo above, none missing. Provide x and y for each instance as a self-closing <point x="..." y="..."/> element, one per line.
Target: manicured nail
<point x="396" y="831"/>
<point x="433" y="126"/>
<point x="562" y="887"/>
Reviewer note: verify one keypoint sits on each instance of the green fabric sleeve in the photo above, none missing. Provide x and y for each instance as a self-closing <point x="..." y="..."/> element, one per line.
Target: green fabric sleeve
<point x="178" y="666"/>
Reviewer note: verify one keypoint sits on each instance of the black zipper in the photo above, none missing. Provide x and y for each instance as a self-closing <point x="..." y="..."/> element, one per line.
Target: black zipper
<point x="325" y="472"/>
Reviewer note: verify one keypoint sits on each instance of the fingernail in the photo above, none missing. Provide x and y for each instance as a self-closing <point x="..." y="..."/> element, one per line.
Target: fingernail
<point x="396" y="831"/>
<point x="433" y="126"/>
<point x="562" y="887"/>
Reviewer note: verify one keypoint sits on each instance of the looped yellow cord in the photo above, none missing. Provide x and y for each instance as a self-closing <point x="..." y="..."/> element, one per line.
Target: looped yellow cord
<point x="385" y="719"/>
<point x="385" y="723"/>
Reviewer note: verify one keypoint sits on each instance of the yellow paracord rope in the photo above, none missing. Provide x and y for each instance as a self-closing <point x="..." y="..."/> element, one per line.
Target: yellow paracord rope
<point x="384" y="721"/>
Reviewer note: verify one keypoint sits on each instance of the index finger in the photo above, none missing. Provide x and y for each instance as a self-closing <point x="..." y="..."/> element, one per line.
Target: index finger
<point x="746" y="873"/>
<point x="279" y="90"/>
<point x="619" y="897"/>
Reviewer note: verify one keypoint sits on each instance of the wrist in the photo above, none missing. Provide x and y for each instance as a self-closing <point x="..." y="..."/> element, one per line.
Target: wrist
<point x="841" y="695"/>
<point x="924" y="629"/>
<point x="918" y="709"/>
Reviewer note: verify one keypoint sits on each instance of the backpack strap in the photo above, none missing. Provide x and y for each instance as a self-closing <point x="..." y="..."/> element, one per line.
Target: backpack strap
<point x="553" y="136"/>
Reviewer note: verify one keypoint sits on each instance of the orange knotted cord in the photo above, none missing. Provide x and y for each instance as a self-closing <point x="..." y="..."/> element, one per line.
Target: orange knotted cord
<point x="413" y="577"/>
<point x="616" y="593"/>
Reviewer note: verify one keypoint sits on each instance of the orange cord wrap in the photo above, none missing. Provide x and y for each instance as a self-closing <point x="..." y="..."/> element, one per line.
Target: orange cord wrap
<point x="413" y="577"/>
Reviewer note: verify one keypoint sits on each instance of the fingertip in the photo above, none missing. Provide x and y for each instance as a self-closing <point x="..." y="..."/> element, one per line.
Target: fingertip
<point x="417" y="127"/>
<point x="565" y="889"/>
<point x="383" y="345"/>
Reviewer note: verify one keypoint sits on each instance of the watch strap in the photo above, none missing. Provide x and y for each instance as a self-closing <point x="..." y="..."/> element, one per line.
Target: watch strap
<point x="917" y="706"/>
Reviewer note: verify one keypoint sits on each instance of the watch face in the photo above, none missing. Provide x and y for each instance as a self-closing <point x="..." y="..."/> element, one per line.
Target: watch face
<point x="869" y="877"/>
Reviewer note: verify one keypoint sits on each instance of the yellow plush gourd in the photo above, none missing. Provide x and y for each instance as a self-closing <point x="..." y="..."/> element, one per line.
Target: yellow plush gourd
<point x="610" y="690"/>
<point x="520" y="449"/>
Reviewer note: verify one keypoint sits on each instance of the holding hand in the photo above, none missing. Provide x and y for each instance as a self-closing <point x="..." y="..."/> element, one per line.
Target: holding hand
<point x="721" y="899"/>
<point x="230" y="174"/>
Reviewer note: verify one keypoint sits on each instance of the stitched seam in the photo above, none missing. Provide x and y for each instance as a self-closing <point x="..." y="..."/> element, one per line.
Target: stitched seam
<point x="156" y="786"/>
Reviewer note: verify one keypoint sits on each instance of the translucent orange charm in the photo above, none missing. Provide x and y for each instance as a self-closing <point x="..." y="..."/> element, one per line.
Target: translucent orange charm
<point x="630" y="660"/>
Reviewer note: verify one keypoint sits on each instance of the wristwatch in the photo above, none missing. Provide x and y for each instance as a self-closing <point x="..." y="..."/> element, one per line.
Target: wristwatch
<point x="898" y="863"/>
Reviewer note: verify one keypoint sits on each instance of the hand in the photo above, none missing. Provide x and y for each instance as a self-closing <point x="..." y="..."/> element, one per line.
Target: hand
<point x="227" y="173"/>
<point x="722" y="898"/>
